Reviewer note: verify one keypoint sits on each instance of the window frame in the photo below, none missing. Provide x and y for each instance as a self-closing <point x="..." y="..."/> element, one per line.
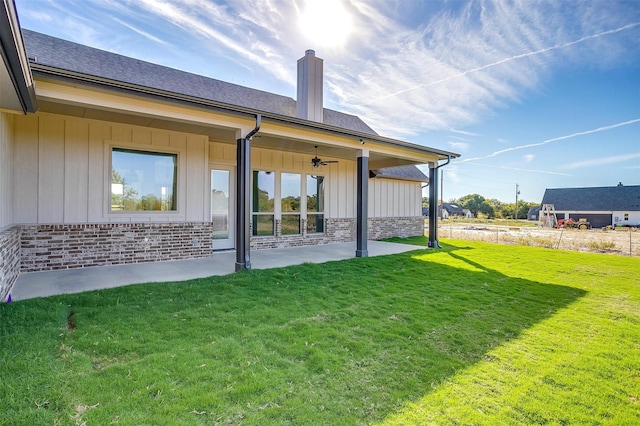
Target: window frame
<point x="321" y="214"/>
<point x="278" y="214"/>
<point x="298" y="213"/>
<point x="271" y="213"/>
<point x="179" y="178"/>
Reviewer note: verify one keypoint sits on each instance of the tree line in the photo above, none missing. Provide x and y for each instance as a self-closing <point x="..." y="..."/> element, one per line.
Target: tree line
<point x="491" y="208"/>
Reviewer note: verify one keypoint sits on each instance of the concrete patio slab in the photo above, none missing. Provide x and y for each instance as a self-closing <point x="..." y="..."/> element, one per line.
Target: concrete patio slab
<point x="48" y="283"/>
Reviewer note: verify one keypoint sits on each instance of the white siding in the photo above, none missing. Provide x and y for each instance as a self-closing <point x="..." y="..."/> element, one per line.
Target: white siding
<point x="61" y="169"/>
<point x="634" y="218"/>
<point x="394" y="198"/>
<point x="6" y="169"/>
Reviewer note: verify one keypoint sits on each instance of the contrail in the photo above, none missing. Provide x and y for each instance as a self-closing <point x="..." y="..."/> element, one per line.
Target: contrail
<point x="521" y="170"/>
<point x="559" y="138"/>
<point x="509" y="59"/>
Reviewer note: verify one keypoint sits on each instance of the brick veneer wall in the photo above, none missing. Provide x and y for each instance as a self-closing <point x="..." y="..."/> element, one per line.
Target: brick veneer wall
<point x="387" y="227"/>
<point x="9" y="260"/>
<point x="33" y="248"/>
<point x="50" y="247"/>
<point x="336" y="231"/>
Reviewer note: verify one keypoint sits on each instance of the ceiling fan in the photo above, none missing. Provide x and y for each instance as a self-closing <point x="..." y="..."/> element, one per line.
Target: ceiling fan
<point x="317" y="162"/>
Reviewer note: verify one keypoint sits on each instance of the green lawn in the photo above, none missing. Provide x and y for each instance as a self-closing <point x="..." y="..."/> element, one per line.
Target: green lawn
<point x="473" y="333"/>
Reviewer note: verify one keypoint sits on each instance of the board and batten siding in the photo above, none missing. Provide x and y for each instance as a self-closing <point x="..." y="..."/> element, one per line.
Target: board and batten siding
<point x="394" y="198"/>
<point x="61" y="170"/>
<point x="6" y="169"/>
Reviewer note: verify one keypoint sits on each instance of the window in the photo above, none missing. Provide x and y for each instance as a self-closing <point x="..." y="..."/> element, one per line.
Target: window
<point x="626" y="216"/>
<point x="143" y="181"/>
<point x="263" y="189"/>
<point x="290" y="196"/>
<point x="315" y="204"/>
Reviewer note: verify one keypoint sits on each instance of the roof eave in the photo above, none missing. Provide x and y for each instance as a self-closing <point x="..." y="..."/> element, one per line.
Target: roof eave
<point x="14" y="55"/>
<point x="40" y="69"/>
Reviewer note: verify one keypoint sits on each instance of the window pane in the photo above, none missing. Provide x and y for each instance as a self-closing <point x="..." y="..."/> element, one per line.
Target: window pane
<point x="315" y="223"/>
<point x="262" y="224"/>
<point x="263" y="191"/>
<point x="220" y="204"/>
<point x="143" y="181"/>
<point x="315" y="193"/>
<point x="290" y="224"/>
<point x="290" y="192"/>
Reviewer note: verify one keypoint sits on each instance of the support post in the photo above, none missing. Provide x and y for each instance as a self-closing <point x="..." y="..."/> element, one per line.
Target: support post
<point x="243" y="215"/>
<point x="362" y="198"/>
<point x="433" y="206"/>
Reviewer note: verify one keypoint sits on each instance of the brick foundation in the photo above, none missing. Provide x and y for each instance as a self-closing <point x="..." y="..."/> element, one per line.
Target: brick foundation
<point x="32" y="248"/>
<point x="336" y="231"/>
<point x="388" y="227"/>
<point x="9" y="260"/>
<point x="50" y="247"/>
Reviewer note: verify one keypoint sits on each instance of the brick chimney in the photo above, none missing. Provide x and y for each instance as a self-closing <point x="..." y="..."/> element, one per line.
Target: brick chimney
<point x="310" y="87"/>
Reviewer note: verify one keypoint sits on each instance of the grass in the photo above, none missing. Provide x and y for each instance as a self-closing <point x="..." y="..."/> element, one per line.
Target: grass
<point x="474" y="333"/>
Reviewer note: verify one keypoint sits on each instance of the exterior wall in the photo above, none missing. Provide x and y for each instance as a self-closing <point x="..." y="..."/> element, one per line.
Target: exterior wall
<point x="634" y="218"/>
<point x="9" y="260"/>
<point x="61" y="170"/>
<point x="9" y="236"/>
<point x="50" y="247"/>
<point x="387" y="227"/>
<point x="6" y="169"/>
<point x="394" y="198"/>
<point x="336" y="231"/>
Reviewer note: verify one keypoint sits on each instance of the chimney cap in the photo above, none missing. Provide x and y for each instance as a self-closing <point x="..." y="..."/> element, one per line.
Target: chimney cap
<point x="310" y="52"/>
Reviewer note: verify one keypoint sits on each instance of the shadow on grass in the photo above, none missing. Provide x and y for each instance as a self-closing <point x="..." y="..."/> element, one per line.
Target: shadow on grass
<point x="339" y="343"/>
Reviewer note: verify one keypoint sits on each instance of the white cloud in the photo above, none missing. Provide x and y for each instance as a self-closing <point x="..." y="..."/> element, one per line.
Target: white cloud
<point x="529" y="158"/>
<point x="602" y="161"/>
<point x="458" y="146"/>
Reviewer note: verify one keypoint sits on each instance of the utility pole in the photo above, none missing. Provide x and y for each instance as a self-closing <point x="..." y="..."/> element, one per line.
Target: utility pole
<point x="517" y="193"/>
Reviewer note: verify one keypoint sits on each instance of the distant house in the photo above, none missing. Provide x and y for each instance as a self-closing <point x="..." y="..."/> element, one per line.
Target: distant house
<point x="533" y="213"/>
<point x="602" y="206"/>
<point x="467" y="213"/>
<point x="450" y="210"/>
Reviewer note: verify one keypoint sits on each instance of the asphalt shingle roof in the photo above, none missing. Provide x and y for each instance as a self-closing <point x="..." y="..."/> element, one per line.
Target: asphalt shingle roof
<point x="69" y="56"/>
<point x="400" y="172"/>
<point x="594" y="199"/>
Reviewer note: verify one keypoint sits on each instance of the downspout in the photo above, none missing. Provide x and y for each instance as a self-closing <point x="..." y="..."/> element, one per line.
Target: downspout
<point x="243" y="185"/>
<point x="433" y="204"/>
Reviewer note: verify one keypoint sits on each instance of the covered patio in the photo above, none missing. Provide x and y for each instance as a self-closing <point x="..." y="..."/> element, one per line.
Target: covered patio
<point x="49" y="283"/>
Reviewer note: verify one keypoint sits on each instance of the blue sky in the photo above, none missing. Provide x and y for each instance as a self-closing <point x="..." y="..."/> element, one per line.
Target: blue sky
<point x="539" y="94"/>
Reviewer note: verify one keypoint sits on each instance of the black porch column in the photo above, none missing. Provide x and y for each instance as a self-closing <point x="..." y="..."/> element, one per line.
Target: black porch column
<point x="433" y="206"/>
<point x="243" y="215"/>
<point x="362" y="198"/>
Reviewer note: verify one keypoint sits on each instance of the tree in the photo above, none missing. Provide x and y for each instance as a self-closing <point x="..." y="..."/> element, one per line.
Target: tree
<point x="476" y="203"/>
<point x="127" y="199"/>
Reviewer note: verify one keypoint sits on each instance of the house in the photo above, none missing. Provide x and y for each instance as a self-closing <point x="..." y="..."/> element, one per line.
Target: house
<point x="451" y="210"/>
<point x="533" y="213"/>
<point x="601" y="206"/>
<point x="106" y="159"/>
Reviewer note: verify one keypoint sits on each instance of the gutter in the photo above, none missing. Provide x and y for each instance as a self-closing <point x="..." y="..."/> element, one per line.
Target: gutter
<point x="44" y="70"/>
